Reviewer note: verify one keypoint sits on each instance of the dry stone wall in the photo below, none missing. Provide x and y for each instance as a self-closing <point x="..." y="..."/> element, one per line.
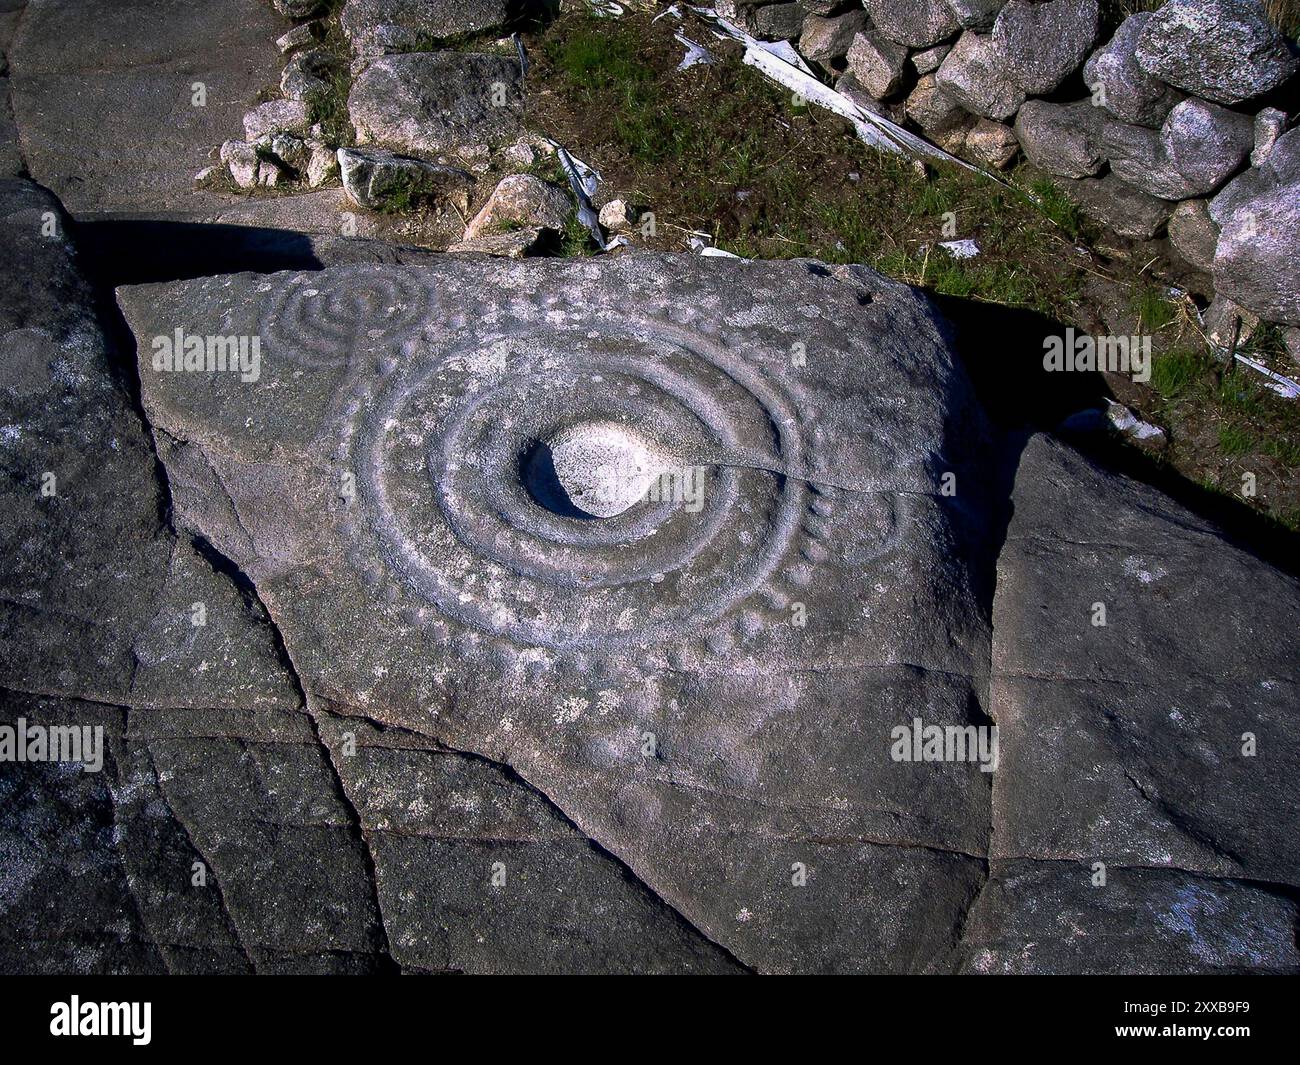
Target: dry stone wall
<point x="1174" y="122"/>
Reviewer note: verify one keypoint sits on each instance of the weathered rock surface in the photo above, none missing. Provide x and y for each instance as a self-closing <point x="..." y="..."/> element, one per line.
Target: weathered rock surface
<point x="1193" y="233"/>
<point x="525" y="201"/>
<point x="1206" y="144"/>
<point x="380" y="180"/>
<point x="97" y="82"/>
<point x="992" y="143"/>
<point x="374" y="27"/>
<point x="1120" y="85"/>
<point x="1043" y="44"/>
<point x="1223" y="50"/>
<point x="933" y="109"/>
<point x="1118" y="206"/>
<point x="437" y="103"/>
<point x="915" y="23"/>
<point x="1256" y="262"/>
<point x="562" y="680"/>
<point x="1048" y="917"/>
<point x="1122" y="742"/>
<point x="824" y="39"/>
<point x="976" y="14"/>
<point x="1270" y="124"/>
<point x="974" y="76"/>
<point x="877" y="63"/>
<point x="1061" y="139"/>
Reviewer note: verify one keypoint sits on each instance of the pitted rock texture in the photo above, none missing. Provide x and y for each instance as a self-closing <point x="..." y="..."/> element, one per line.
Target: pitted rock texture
<point x="1043" y="44"/>
<point x="1121" y="86"/>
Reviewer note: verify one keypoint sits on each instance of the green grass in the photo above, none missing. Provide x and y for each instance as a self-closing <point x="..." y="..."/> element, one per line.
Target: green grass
<point x="1236" y="439"/>
<point x="1058" y="207"/>
<point x="1152" y="308"/>
<point x="1175" y="373"/>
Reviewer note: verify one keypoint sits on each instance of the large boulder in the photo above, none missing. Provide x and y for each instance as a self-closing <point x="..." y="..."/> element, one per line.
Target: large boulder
<point x="915" y="23"/>
<point x="374" y="27"/>
<point x="973" y="74"/>
<point x="437" y="103"/>
<point x="1144" y="684"/>
<point x="1061" y="139"/>
<point x="933" y="109"/>
<point x="1256" y="262"/>
<point x="1120" y="85"/>
<point x="1223" y="50"/>
<point x="1205" y="143"/>
<point x="1043" y="44"/>
<point x="393" y="496"/>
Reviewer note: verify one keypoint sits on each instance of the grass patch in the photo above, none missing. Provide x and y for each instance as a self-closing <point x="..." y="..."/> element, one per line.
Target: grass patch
<point x="1236" y="439"/>
<point x="1152" y="309"/>
<point x="1176" y="372"/>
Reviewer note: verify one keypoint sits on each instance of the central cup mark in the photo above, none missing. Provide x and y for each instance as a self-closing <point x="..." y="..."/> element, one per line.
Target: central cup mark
<point x="595" y="469"/>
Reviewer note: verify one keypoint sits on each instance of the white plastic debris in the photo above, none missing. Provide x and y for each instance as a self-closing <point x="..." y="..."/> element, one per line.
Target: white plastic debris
<point x="960" y="249"/>
<point x="583" y="182"/>
<point x="700" y="244"/>
<point x="696" y="54"/>
<point x="606" y="8"/>
<point x="1130" y="424"/>
<point x="781" y="63"/>
<point x="1282" y="385"/>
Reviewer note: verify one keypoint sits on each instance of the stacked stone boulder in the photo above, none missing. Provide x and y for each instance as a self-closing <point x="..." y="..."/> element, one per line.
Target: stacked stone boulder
<point x="1174" y="122"/>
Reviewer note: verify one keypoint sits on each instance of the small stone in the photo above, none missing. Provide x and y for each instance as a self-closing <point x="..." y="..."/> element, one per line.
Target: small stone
<point x="290" y="151"/>
<point x="270" y="174"/>
<point x="927" y="61"/>
<point x="1118" y="206"/>
<point x="976" y="14"/>
<point x="1291" y="338"/>
<point x="877" y="63"/>
<point x="1043" y="44"/>
<point x="297" y="8"/>
<point x="931" y="108"/>
<point x="521" y="154"/>
<point x="307" y="76"/>
<point x="299" y="37"/>
<point x="381" y="180"/>
<point x="277" y="116"/>
<point x="241" y="160"/>
<point x="1228" y="324"/>
<point x="514" y="244"/>
<point x="777" y="22"/>
<point x="824" y="39"/>
<point x="973" y="75"/>
<point x="1120" y="85"/>
<point x="1061" y="139"/>
<point x="1270" y="124"/>
<point x="617" y="217"/>
<point x="1193" y="233"/>
<point x="992" y="143"/>
<point x="206" y="175"/>
<point x="915" y="23"/>
<point x="322" y="165"/>
<point x="1223" y="50"/>
<point x="525" y="201"/>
